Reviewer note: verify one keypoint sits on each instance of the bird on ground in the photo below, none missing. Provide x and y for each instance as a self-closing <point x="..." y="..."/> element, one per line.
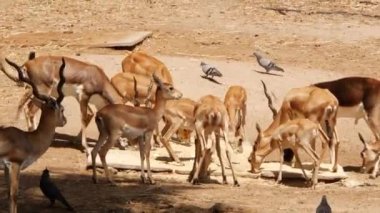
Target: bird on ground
<point x="266" y="63"/>
<point x="210" y="70"/>
<point x="50" y="190"/>
<point x="323" y="207"/>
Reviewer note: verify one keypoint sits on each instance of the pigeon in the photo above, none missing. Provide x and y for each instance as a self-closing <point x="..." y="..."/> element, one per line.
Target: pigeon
<point x="323" y="207"/>
<point x="267" y="64"/>
<point x="50" y="190"/>
<point x="210" y="70"/>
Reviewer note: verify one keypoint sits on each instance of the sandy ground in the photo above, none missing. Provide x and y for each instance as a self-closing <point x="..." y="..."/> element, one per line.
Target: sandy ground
<point x="319" y="41"/>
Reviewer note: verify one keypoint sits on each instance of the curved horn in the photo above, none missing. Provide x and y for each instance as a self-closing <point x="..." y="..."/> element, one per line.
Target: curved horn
<point x="26" y="80"/>
<point x="270" y="102"/>
<point x="61" y="82"/>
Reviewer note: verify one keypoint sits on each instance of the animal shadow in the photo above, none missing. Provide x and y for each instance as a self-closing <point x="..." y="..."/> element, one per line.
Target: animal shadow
<point x="211" y="79"/>
<point x="268" y="73"/>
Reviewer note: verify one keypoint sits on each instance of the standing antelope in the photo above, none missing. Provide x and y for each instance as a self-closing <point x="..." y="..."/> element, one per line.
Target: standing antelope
<point x="82" y="81"/>
<point x="210" y="117"/>
<point x="370" y="156"/>
<point x="178" y="114"/>
<point x="359" y="97"/>
<point x="134" y="123"/>
<point x="144" y="64"/>
<point x="294" y="134"/>
<point x="235" y="102"/>
<point x="318" y="105"/>
<point x="19" y="149"/>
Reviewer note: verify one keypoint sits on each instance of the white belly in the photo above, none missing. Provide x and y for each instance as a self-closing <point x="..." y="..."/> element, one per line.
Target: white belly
<point x="356" y="112"/>
<point x="132" y="133"/>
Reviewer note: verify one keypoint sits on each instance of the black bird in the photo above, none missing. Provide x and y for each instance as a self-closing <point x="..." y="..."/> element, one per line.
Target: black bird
<point x="50" y="190"/>
<point x="323" y="207"/>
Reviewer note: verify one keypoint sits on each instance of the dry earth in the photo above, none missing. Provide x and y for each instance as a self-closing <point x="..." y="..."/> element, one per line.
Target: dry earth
<point x="313" y="40"/>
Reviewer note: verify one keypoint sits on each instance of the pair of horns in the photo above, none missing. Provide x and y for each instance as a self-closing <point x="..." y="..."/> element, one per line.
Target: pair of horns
<point x="34" y="88"/>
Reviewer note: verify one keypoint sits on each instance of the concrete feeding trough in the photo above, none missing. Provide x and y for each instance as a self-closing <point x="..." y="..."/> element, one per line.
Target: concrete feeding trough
<point x="120" y="39"/>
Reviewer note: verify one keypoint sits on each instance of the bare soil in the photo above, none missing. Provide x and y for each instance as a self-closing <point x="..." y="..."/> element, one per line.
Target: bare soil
<point x="312" y="40"/>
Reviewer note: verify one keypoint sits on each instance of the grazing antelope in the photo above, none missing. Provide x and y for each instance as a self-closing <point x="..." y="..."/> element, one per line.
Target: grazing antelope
<point x="134" y="88"/>
<point x="370" y="156"/>
<point x="210" y="117"/>
<point x="293" y="134"/>
<point x="82" y="81"/>
<point x="316" y="104"/>
<point x="19" y="149"/>
<point x="134" y="123"/>
<point x="359" y="97"/>
<point x="235" y="102"/>
<point x="144" y="64"/>
<point x="178" y="114"/>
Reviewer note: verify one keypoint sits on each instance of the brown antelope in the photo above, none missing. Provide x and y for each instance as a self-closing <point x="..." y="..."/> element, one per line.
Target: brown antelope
<point x="144" y="64"/>
<point x="316" y="104"/>
<point x="134" y="88"/>
<point x="178" y="114"/>
<point x="82" y="81"/>
<point x="293" y="134"/>
<point x="210" y="117"/>
<point x="134" y="123"/>
<point x="235" y="102"/>
<point x="359" y="97"/>
<point x="370" y="156"/>
<point x="19" y="149"/>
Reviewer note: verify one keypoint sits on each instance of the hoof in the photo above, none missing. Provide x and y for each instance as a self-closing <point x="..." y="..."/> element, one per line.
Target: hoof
<point x="372" y="176"/>
<point x="151" y="181"/>
<point x="94" y="180"/>
<point x="195" y="181"/>
<point x="142" y="179"/>
<point x="236" y="183"/>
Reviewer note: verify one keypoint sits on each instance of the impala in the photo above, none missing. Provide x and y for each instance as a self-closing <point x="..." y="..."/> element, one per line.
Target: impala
<point x="235" y="102"/>
<point x="316" y="104"/>
<point x="19" y="149"/>
<point x="82" y="81"/>
<point x="210" y="117"/>
<point x="293" y="134"/>
<point x="370" y="156"/>
<point x="134" y="123"/>
<point x="178" y="114"/>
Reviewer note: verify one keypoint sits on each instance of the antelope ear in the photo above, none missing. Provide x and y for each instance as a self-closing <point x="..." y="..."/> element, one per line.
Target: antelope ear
<point x="258" y="128"/>
<point x="157" y="80"/>
<point x="362" y="140"/>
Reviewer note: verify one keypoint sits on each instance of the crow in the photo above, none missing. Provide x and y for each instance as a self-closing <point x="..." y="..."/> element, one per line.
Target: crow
<point x="50" y="190"/>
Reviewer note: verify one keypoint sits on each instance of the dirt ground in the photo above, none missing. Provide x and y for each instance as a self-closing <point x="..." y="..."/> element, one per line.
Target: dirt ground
<point x="313" y="40"/>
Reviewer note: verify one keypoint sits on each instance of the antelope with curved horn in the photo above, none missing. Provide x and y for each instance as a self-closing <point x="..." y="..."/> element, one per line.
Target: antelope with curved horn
<point x="83" y="80"/>
<point x="19" y="149"/>
<point x="134" y="123"/>
<point x="316" y="104"/>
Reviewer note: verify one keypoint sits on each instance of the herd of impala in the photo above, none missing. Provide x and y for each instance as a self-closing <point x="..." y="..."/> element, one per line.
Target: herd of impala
<point x="307" y="115"/>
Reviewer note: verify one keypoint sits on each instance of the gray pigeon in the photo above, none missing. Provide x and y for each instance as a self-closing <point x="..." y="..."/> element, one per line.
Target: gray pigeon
<point x="266" y="63"/>
<point x="323" y="207"/>
<point x="210" y="70"/>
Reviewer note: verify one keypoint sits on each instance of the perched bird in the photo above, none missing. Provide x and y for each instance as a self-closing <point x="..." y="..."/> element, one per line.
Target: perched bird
<point x="210" y="70"/>
<point x="323" y="207"/>
<point x="50" y="190"/>
<point x="266" y="63"/>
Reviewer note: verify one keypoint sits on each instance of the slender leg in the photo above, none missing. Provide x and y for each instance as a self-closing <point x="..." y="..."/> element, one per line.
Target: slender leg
<point x="141" y="141"/>
<point x="102" y="138"/>
<point x="112" y="139"/>
<point x="148" y="146"/>
<point x="218" y="152"/>
<point x="24" y="99"/>
<point x="199" y="153"/>
<point x="203" y="152"/>
<point x="279" y="177"/>
<point x="6" y="177"/>
<point x="236" y="183"/>
<point x="83" y="102"/>
<point x="316" y="160"/>
<point x="30" y="111"/>
<point x="375" y="169"/>
<point x="295" y="150"/>
<point x="165" y="141"/>
<point x="14" y="184"/>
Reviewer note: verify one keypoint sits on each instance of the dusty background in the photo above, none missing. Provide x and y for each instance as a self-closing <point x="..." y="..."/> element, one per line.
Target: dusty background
<point x="312" y="40"/>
